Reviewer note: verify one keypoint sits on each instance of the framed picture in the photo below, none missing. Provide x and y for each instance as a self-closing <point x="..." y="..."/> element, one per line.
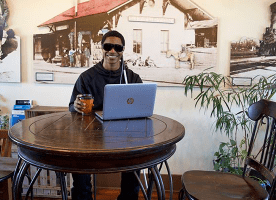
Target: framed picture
<point x="10" y="66"/>
<point x="252" y="57"/>
<point x="165" y="39"/>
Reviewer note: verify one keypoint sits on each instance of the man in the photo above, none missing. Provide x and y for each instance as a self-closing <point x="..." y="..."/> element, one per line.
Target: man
<point x="186" y="55"/>
<point x="72" y="57"/>
<point x="10" y="44"/>
<point x="86" y="53"/>
<point x="92" y="81"/>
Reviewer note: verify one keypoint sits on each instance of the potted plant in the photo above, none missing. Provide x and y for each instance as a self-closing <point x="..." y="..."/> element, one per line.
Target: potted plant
<point x="4" y="121"/>
<point x="227" y="158"/>
<point x="217" y="92"/>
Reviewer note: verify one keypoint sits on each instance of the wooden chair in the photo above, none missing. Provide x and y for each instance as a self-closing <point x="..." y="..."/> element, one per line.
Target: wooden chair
<point x="7" y="166"/>
<point x="213" y="185"/>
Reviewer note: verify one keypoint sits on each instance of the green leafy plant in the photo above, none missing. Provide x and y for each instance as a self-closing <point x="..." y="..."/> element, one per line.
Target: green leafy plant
<point x="4" y="121"/>
<point x="229" y="157"/>
<point x="228" y="105"/>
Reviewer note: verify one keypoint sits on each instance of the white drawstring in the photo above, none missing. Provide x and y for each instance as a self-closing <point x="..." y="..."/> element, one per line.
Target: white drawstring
<point x="125" y="76"/>
<point x="123" y="71"/>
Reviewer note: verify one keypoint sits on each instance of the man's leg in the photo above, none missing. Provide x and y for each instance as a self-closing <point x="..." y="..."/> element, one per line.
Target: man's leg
<point x="81" y="187"/>
<point x="129" y="186"/>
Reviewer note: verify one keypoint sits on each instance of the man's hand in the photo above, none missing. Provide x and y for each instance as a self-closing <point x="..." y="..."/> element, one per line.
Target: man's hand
<point x="78" y="105"/>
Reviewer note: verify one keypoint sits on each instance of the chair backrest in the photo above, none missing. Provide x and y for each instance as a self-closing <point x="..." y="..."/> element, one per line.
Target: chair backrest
<point x="6" y="143"/>
<point x="263" y="112"/>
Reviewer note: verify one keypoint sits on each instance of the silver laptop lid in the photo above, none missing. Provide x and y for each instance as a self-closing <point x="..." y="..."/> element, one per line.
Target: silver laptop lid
<point x="122" y="101"/>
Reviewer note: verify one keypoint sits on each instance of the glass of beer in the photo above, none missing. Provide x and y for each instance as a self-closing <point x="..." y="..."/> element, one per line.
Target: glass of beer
<point x="88" y="100"/>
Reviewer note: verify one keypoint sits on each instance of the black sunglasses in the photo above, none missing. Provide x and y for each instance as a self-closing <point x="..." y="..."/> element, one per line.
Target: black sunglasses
<point x="116" y="47"/>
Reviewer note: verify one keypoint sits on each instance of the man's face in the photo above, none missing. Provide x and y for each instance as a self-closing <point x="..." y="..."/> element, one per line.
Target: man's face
<point x="112" y="57"/>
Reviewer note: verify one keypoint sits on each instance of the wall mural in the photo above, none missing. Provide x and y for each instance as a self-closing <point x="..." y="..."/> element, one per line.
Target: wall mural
<point x="9" y="49"/>
<point x="165" y="39"/>
<point x="251" y="57"/>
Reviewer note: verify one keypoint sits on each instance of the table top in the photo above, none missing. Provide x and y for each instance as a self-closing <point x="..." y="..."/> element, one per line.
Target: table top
<point x="47" y="139"/>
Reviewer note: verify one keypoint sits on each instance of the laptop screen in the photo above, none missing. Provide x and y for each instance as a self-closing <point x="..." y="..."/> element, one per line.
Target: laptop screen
<point x="122" y="101"/>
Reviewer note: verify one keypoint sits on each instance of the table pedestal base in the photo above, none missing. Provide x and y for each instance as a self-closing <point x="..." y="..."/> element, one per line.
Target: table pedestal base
<point x="154" y="177"/>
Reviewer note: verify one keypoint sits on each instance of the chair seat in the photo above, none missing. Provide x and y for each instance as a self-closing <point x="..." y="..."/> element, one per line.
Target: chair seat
<point x="7" y="166"/>
<point x="212" y="185"/>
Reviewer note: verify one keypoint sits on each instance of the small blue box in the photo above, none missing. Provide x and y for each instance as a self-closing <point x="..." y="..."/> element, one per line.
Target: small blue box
<point x="17" y="115"/>
<point x="22" y="107"/>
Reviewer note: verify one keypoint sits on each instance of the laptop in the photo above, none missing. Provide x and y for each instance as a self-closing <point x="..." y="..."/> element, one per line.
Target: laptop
<point x="125" y="101"/>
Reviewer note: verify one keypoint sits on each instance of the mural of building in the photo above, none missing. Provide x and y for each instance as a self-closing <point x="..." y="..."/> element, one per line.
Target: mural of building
<point x="159" y="34"/>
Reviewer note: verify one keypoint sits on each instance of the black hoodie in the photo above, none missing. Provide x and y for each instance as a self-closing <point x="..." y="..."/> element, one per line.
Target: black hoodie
<point x="93" y="80"/>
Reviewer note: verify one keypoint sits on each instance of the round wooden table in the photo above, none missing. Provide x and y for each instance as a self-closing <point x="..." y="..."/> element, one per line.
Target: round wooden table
<point x="70" y="142"/>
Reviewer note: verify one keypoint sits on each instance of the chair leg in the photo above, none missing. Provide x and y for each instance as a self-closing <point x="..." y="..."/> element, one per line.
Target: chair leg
<point x="183" y="195"/>
<point x="9" y="189"/>
<point x="6" y="189"/>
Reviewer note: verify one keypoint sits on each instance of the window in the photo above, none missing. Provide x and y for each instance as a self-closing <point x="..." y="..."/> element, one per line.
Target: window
<point x="164" y="41"/>
<point x="137" y="41"/>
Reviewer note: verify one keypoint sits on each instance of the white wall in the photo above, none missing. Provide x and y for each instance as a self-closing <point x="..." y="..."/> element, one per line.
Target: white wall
<point x="237" y="18"/>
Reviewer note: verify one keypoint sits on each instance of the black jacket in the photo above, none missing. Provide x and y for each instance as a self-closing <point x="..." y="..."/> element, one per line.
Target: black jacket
<point x="93" y="80"/>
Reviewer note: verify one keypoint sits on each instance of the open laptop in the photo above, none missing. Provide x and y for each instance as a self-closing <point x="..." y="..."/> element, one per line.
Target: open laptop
<point x="124" y="101"/>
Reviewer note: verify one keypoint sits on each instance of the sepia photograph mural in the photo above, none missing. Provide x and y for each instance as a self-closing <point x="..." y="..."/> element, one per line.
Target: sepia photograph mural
<point x="165" y="39"/>
<point x="10" y="70"/>
<point x="252" y="57"/>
